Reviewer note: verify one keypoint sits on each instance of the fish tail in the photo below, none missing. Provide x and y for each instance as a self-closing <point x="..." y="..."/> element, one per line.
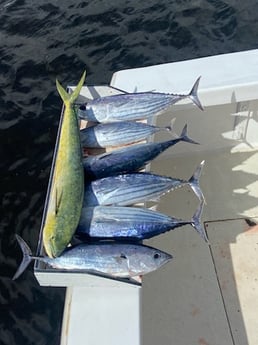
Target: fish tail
<point x="196" y="222"/>
<point x="194" y="182"/>
<point x="27" y="258"/>
<point x="70" y="98"/>
<point x="184" y="136"/>
<point x="193" y="94"/>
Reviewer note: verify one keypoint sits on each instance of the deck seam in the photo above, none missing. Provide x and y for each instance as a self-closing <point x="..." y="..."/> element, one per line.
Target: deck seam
<point x="221" y="294"/>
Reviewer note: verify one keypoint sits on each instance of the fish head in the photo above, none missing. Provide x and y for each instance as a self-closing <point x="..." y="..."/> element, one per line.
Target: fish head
<point x="147" y="259"/>
<point x="82" y="112"/>
<point x="158" y="258"/>
<point x="54" y="241"/>
<point x="51" y="248"/>
<point x="86" y="112"/>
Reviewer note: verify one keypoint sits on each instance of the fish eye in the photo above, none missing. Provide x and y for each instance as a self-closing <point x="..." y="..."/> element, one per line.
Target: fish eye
<point x="156" y="256"/>
<point x="83" y="107"/>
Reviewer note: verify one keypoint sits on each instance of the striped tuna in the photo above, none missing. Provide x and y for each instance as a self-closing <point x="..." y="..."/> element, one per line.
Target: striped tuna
<point x="117" y="133"/>
<point x="128" y="159"/>
<point x="135" y="223"/>
<point x="127" y="189"/>
<point x="121" y="260"/>
<point x="133" y="106"/>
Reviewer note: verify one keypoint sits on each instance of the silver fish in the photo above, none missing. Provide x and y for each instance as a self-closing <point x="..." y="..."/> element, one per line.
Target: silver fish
<point x="127" y="189"/>
<point x="122" y="260"/>
<point x="117" y="133"/>
<point x="128" y="159"/>
<point x="133" y="106"/>
<point x="135" y="223"/>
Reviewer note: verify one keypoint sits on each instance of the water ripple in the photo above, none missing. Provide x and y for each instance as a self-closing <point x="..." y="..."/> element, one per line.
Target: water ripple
<point x="43" y="40"/>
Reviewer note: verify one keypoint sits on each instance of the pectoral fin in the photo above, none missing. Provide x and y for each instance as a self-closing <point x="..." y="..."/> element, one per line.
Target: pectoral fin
<point x="120" y="258"/>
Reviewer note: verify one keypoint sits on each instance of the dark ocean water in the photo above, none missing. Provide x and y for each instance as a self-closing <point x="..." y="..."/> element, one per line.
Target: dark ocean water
<point x="42" y="40"/>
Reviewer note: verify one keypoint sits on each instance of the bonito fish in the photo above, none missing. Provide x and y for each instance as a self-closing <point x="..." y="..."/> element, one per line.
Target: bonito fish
<point x="117" y="133"/>
<point x="136" y="223"/>
<point x="128" y="159"/>
<point x="133" y="106"/>
<point x="127" y="189"/>
<point x="66" y="194"/>
<point x="112" y="259"/>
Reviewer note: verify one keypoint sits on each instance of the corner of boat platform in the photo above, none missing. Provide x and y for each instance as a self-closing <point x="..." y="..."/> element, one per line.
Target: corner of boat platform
<point x="208" y="294"/>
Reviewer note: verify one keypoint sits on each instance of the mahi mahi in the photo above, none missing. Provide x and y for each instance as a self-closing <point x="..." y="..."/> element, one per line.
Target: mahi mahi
<point x="66" y="193"/>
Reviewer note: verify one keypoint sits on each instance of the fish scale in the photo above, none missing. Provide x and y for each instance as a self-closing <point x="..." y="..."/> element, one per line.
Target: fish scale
<point x="127" y="189"/>
<point x="137" y="223"/>
<point x="123" y="260"/>
<point x="149" y="105"/>
<point x="118" y="260"/>
<point x="129" y="159"/>
<point x="67" y="185"/>
<point x="133" y="106"/>
<point x="117" y="133"/>
<point x="135" y="187"/>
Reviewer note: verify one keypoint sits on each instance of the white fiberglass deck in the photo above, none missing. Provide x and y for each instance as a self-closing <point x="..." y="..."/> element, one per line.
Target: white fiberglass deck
<point x="207" y="295"/>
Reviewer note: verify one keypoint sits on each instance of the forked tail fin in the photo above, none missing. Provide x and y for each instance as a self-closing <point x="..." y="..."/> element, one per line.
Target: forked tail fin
<point x="70" y="98"/>
<point x="184" y="137"/>
<point x="27" y="258"/>
<point x="193" y="94"/>
<point x="196" y="222"/>
<point x="194" y="182"/>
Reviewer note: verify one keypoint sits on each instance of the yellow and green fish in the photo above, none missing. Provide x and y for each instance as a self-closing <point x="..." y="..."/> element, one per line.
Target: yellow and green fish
<point x="66" y="194"/>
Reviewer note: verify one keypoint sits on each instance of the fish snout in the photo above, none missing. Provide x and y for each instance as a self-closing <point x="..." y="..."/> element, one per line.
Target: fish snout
<point x="51" y="248"/>
<point x="161" y="258"/>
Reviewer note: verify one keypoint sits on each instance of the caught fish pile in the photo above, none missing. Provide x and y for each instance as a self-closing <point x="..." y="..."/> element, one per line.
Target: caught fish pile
<point x="128" y="159"/>
<point x="93" y="196"/>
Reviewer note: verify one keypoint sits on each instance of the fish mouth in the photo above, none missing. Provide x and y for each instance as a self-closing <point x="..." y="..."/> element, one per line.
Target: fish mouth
<point x="51" y="250"/>
<point x="168" y="257"/>
<point x="55" y="252"/>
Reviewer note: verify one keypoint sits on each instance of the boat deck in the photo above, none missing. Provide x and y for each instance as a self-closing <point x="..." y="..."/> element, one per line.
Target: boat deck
<point x="208" y="294"/>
